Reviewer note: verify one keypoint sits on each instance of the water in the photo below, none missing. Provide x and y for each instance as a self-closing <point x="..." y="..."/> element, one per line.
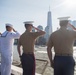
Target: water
<point x="40" y="53"/>
<point x="74" y="53"/>
<point x="15" y="54"/>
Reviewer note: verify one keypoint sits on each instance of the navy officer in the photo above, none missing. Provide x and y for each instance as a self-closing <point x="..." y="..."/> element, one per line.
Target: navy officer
<point x="6" y="44"/>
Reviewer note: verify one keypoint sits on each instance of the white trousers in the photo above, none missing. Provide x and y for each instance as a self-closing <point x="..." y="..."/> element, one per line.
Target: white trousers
<point x="6" y="61"/>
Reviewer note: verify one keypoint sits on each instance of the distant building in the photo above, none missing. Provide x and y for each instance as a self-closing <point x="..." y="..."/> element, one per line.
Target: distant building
<point x="15" y="41"/>
<point x="48" y="28"/>
<point x="40" y="40"/>
<point x="74" y="23"/>
<point x="33" y="30"/>
<point x="40" y="27"/>
<point x="69" y="27"/>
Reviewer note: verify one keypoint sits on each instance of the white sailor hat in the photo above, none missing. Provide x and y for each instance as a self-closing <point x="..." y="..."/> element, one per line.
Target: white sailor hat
<point x="10" y="25"/>
<point x="63" y="18"/>
<point x="28" y="22"/>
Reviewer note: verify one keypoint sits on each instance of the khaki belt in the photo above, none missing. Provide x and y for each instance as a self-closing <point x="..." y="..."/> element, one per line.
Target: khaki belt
<point x="64" y="54"/>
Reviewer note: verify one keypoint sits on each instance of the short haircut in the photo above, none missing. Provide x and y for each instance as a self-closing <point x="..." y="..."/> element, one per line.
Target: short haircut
<point x="27" y="25"/>
<point x="64" y="22"/>
<point x="8" y="26"/>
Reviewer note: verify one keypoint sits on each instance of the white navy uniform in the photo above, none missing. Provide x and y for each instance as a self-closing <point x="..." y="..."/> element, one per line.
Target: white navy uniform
<point x="6" y="44"/>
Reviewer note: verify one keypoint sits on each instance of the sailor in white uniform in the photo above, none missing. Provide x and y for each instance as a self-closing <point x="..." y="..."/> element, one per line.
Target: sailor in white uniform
<point x="6" y="44"/>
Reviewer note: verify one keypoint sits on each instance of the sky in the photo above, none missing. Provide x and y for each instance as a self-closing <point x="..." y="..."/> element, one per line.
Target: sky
<point x="18" y="11"/>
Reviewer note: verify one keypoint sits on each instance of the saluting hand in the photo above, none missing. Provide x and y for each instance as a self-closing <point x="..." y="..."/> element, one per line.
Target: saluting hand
<point x="36" y="28"/>
<point x="72" y="26"/>
<point x="14" y="30"/>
